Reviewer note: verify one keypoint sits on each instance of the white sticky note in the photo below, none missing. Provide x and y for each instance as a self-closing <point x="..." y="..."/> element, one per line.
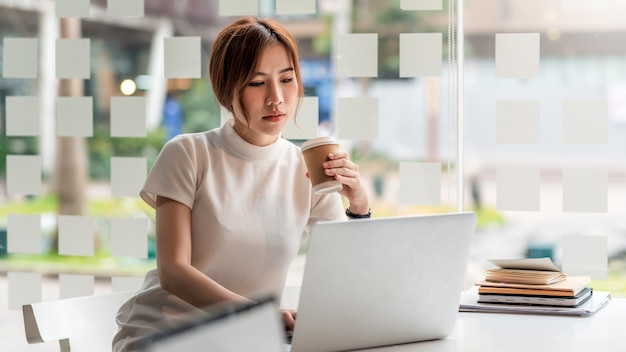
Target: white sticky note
<point x="420" y="183"/>
<point x="518" y="122"/>
<point x="128" y="117"/>
<point x="420" y="54"/>
<point x="72" y="8"/>
<point x="517" y="55"/>
<point x="411" y="5"/>
<point x="238" y="8"/>
<point x="295" y="7"/>
<point x="585" y="122"/>
<point x="183" y="57"/>
<point x="128" y="175"/>
<point x="129" y="237"/>
<point x="24" y="288"/>
<point x="24" y="175"/>
<point x="357" y="118"/>
<point x="73" y="58"/>
<point x="74" y="116"/>
<point x="517" y="188"/>
<point x="76" y="285"/>
<point x="24" y="234"/>
<point x="125" y="8"/>
<point x="585" y="255"/>
<point x="20" y="58"/>
<point x="76" y="235"/>
<point x="126" y="283"/>
<point x="570" y="5"/>
<point x="22" y="116"/>
<point x="585" y="190"/>
<point x="357" y="55"/>
<point x="304" y="125"/>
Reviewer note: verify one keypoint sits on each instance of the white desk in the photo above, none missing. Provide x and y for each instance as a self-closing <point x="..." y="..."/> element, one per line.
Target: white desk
<point x="486" y="332"/>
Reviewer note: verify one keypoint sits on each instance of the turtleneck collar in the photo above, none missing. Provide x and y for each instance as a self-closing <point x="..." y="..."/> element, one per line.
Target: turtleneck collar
<point x="237" y="144"/>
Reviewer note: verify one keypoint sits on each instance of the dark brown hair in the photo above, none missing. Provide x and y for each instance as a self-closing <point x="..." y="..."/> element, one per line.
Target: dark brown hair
<point x="235" y="53"/>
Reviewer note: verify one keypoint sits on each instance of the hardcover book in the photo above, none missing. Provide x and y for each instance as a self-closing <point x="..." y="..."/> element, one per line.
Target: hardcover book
<point x="557" y="301"/>
<point x="571" y="286"/>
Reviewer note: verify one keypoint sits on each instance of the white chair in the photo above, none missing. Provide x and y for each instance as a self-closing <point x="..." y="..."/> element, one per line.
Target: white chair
<point x="79" y="324"/>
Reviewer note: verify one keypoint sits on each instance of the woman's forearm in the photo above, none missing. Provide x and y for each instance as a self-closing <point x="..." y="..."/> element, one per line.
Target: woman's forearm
<point x="195" y="288"/>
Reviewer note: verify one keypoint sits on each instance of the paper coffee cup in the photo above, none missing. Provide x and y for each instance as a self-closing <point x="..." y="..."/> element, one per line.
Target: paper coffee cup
<point x="315" y="152"/>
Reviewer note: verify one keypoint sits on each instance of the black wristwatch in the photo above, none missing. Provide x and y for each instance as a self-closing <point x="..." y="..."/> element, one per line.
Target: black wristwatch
<point x="358" y="216"/>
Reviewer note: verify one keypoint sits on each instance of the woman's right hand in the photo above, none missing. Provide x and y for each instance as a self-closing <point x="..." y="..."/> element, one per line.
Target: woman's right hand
<point x="289" y="318"/>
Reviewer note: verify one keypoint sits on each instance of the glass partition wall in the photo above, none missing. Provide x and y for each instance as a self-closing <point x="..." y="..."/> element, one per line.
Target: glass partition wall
<point x="512" y="109"/>
<point x="545" y="146"/>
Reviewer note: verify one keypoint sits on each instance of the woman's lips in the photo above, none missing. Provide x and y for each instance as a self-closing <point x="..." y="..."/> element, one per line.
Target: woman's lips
<point x="274" y="117"/>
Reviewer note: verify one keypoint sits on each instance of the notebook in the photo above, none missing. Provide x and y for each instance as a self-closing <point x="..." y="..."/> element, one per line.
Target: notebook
<point x="382" y="281"/>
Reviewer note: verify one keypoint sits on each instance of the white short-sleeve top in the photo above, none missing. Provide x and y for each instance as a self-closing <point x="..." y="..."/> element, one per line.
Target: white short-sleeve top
<point x="249" y="208"/>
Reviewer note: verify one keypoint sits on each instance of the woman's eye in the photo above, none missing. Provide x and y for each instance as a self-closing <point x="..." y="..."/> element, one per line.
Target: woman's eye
<point x="256" y="84"/>
<point x="287" y="80"/>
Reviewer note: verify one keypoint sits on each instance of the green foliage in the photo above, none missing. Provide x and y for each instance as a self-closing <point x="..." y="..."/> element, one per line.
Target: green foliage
<point x="102" y="147"/>
<point x="486" y="217"/>
<point x="16" y="146"/>
<point x="394" y="15"/>
<point x="322" y="43"/>
<point x="388" y="20"/>
<point x="200" y="113"/>
<point x="33" y="205"/>
<point x="119" y="207"/>
<point x="100" y="209"/>
<point x="363" y="153"/>
<point x="101" y="263"/>
<point x="200" y="109"/>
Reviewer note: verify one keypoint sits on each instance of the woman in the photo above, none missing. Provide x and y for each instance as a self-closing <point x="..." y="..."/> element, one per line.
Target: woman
<point x="232" y="203"/>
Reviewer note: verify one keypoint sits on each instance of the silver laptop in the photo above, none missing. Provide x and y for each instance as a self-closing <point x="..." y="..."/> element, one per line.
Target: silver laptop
<point x="384" y="281"/>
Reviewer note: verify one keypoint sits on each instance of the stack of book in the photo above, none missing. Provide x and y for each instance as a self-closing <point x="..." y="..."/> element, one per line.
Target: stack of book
<point x="535" y="281"/>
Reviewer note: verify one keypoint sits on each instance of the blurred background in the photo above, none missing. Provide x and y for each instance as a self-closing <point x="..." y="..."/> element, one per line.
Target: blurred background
<point x="581" y="58"/>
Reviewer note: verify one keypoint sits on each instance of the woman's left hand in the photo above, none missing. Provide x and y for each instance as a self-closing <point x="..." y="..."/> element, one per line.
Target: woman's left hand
<point x="345" y="171"/>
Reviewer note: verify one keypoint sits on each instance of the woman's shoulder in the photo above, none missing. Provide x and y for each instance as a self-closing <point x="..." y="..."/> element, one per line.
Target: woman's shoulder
<point x="193" y="147"/>
<point x="194" y="140"/>
<point x="195" y="137"/>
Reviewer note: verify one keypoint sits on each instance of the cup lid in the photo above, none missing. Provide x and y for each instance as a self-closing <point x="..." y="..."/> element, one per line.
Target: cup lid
<point x="314" y="142"/>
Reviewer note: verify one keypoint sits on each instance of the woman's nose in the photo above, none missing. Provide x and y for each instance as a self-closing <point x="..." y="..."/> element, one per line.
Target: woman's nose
<point x="275" y="96"/>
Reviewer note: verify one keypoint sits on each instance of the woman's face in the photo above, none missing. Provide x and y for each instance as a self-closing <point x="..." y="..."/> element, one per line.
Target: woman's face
<point x="270" y="98"/>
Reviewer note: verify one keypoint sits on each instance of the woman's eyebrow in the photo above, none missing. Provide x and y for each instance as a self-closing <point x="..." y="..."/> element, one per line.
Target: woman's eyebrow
<point x="288" y="69"/>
